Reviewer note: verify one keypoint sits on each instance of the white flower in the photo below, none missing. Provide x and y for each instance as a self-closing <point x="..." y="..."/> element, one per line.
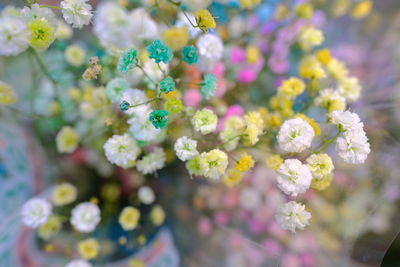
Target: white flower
<point x="331" y="100"/>
<point x="295" y="135"/>
<point x="142" y="25"/>
<point x="152" y="69"/>
<point x="142" y="129"/>
<point x="250" y="198"/>
<point x="76" y="12"/>
<point x="146" y="195"/>
<point x="194" y="5"/>
<point x="204" y="121"/>
<point x="346" y="120"/>
<point x="213" y="164"/>
<point x="292" y="215"/>
<point x="186" y="148"/>
<point x="135" y="97"/>
<point x="294" y="177"/>
<point x="85" y="217"/>
<point x="121" y="150"/>
<point x="35" y="212"/>
<point x="210" y="48"/>
<point x="350" y="88"/>
<point x="152" y="162"/>
<point x="14" y="35"/>
<point x="320" y="165"/>
<point x="182" y="21"/>
<point x="79" y="263"/>
<point x="353" y="147"/>
<point x="37" y="12"/>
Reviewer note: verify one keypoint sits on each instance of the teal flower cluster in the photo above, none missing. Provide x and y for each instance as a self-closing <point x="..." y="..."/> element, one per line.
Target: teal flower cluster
<point x="159" y="118"/>
<point x="189" y="55"/>
<point x="167" y="85"/>
<point x="208" y="86"/>
<point x="127" y="60"/>
<point x="124" y="106"/>
<point x="159" y="51"/>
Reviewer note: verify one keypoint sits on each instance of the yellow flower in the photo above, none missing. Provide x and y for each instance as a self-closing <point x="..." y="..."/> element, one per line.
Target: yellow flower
<point x="7" y="94"/>
<point x="129" y="218"/>
<point x="74" y="94"/>
<point x="88" y="248"/>
<point x="311" y="68"/>
<point x="337" y="69"/>
<point x="254" y="118"/>
<point x="320" y="165"/>
<point x="63" y="31"/>
<point x="41" y="34"/>
<point x="176" y="38"/>
<point x="361" y="9"/>
<point x="141" y="239"/>
<point x="321" y="184"/>
<point x="157" y="215"/>
<point x="310" y="37"/>
<point x="136" y="263"/>
<point x="304" y="11"/>
<point x="55" y="108"/>
<point x="64" y="194"/>
<point x="281" y="12"/>
<point x="232" y="177"/>
<point x="282" y="105"/>
<point x="273" y="162"/>
<point x="313" y="124"/>
<point x="245" y="163"/>
<point x="252" y="54"/>
<point x="67" y="140"/>
<point x="247" y="4"/>
<point x="340" y="7"/>
<point x="74" y="55"/>
<point x="50" y="227"/>
<point x="324" y="56"/>
<point x="292" y="87"/>
<point x="205" y="20"/>
<point x="252" y="133"/>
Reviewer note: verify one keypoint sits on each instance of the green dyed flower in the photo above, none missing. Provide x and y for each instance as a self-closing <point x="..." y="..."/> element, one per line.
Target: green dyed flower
<point x="159" y="118"/>
<point x="124" y="106"/>
<point x="127" y="60"/>
<point x="41" y="34"/>
<point x="173" y="105"/>
<point x="193" y="166"/>
<point x="114" y="89"/>
<point x="208" y="86"/>
<point x="189" y="55"/>
<point x="159" y="51"/>
<point x="167" y="85"/>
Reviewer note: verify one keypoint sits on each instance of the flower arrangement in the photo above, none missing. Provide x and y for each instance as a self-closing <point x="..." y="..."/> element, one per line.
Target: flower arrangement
<point x="164" y="81"/>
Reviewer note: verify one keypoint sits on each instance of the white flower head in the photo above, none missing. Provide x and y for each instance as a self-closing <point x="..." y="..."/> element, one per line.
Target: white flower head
<point x="350" y="88"/>
<point x="210" y="48"/>
<point x="353" y="147"/>
<point x="346" y="120"/>
<point x="35" y="11"/>
<point x="213" y="164"/>
<point x="295" y="135"/>
<point x="146" y="195"/>
<point x="142" y="129"/>
<point x="292" y="215"/>
<point x="250" y="198"/>
<point x="205" y="121"/>
<point x="152" y="162"/>
<point x="186" y="148"/>
<point x="35" y="212"/>
<point x="14" y="35"/>
<point x="79" y="263"/>
<point x="293" y="177"/>
<point x="85" y="217"/>
<point x="76" y="12"/>
<point x="135" y="97"/>
<point x="142" y="25"/>
<point x="121" y="150"/>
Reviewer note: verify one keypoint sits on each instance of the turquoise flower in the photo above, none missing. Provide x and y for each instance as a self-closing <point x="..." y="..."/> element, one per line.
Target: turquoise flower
<point x="208" y="86"/>
<point x="189" y="55"/>
<point x="124" y="106"/>
<point x="159" y="118"/>
<point x="114" y="89"/>
<point x="159" y="51"/>
<point x="167" y="85"/>
<point x="127" y="60"/>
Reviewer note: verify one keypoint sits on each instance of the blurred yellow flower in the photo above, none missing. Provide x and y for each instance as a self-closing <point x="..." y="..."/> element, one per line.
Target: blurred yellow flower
<point x="310" y="37"/>
<point x="50" y="227"/>
<point x="205" y="20"/>
<point x="176" y="38"/>
<point x="74" y="55"/>
<point x="88" y="248"/>
<point x="245" y="163"/>
<point x="291" y="87"/>
<point x="252" y="54"/>
<point x="361" y="9"/>
<point x="232" y="177"/>
<point x="64" y="194"/>
<point x="136" y="263"/>
<point x="129" y="218"/>
<point x="157" y="215"/>
<point x="321" y="184"/>
<point x="304" y="11"/>
<point x="273" y="162"/>
<point x="67" y="140"/>
<point x="7" y="94"/>
<point x="246" y="4"/>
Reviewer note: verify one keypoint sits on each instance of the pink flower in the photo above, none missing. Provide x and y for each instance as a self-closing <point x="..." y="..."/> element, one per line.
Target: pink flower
<point x="219" y="70"/>
<point x="246" y="76"/>
<point x="237" y="55"/>
<point x="272" y="247"/>
<point x="256" y="227"/>
<point x="204" y="226"/>
<point x="221" y="218"/>
<point x="307" y="259"/>
<point x="192" y="98"/>
<point x="290" y="260"/>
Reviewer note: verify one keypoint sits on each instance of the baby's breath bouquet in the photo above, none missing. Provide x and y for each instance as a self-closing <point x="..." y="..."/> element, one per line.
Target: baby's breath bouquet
<point x="123" y="90"/>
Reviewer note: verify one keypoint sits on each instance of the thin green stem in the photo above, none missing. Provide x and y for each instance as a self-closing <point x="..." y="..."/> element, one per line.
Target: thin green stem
<point x="42" y="65"/>
<point x="326" y="143"/>
<point x="147" y="102"/>
<point x="178" y="5"/>
<point x="50" y="6"/>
